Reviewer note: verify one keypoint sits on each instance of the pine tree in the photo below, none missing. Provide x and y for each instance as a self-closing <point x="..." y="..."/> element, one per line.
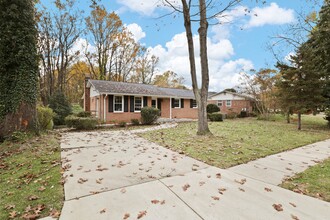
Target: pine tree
<point x="18" y="66"/>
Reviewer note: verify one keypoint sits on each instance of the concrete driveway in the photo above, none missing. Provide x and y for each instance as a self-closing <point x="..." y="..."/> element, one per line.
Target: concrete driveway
<point x="118" y="175"/>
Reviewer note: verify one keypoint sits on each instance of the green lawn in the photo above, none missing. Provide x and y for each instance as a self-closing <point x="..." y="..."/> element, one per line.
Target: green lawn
<point x="314" y="181"/>
<point x="30" y="183"/>
<point x="240" y="140"/>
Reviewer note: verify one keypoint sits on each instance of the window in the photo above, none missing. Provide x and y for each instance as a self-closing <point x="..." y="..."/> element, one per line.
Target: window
<point x="154" y="103"/>
<point x="177" y="103"/>
<point x="194" y="104"/>
<point x="118" y="104"/>
<point x="137" y="104"/>
<point x="219" y="103"/>
<point x="228" y="103"/>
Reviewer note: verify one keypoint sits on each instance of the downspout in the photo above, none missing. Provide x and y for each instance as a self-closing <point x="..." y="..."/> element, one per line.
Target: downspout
<point x="170" y="108"/>
<point x="105" y="108"/>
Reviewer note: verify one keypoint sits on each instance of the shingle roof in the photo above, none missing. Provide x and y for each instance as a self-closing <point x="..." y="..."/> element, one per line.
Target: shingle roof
<point x="111" y="87"/>
<point x="234" y="93"/>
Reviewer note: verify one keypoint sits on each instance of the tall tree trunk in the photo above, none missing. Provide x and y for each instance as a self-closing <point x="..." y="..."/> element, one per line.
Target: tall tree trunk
<point x="288" y="117"/>
<point x="299" y="120"/>
<point x="200" y="95"/>
<point x="202" y="116"/>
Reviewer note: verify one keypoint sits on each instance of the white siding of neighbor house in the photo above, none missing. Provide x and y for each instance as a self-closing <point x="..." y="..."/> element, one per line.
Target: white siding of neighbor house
<point x="93" y="92"/>
<point x="226" y="96"/>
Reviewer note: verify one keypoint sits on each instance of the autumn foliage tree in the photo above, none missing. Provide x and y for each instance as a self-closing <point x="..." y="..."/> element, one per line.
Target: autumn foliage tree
<point x="18" y="66"/>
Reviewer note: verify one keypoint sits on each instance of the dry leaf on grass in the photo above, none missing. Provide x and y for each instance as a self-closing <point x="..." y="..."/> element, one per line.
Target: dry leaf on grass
<point x="278" y="207"/>
<point x="54" y="213"/>
<point x="13" y="214"/>
<point x="7" y="207"/>
<point x="29" y="216"/>
<point x="141" y="214"/>
<point x="33" y="197"/>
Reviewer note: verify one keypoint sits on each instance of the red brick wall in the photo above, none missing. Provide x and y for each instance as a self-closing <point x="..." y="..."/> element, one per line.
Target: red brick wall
<point x="236" y="105"/>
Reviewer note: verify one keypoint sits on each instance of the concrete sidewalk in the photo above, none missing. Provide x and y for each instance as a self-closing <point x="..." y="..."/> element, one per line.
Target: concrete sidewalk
<point x="118" y="175"/>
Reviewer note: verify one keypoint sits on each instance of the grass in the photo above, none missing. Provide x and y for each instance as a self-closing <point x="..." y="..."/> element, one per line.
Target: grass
<point x="30" y="184"/>
<point x="314" y="181"/>
<point x="241" y="140"/>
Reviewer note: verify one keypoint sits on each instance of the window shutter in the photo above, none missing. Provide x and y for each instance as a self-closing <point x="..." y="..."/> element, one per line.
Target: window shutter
<point x="172" y="100"/>
<point x="145" y="101"/>
<point x="125" y="103"/>
<point x="191" y="103"/>
<point x="110" y="103"/>
<point x="131" y="104"/>
<point x="182" y="103"/>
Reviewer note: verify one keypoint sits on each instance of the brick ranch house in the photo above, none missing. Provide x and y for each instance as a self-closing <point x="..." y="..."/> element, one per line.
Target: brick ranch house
<point x="120" y="101"/>
<point x="232" y="102"/>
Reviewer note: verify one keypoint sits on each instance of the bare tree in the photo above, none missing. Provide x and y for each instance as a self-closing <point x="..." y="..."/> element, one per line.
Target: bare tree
<point x="201" y="12"/>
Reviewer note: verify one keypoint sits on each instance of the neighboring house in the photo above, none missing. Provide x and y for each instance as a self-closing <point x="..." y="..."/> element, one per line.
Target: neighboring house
<point x="119" y="101"/>
<point x="232" y="102"/>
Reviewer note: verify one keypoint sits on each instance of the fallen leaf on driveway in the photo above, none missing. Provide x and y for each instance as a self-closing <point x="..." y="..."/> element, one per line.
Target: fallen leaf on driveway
<point x="155" y="201"/>
<point x="218" y="175"/>
<point x="162" y="202"/>
<point x="82" y="180"/>
<point x="278" y="207"/>
<point x="268" y="189"/>
<point x="215" y="197"/>
<point x="243" y="190"/>
<point x="242" y="181"/>
<point x="103" y="210"/>
<point x="294" y="205"/>
<point x="185" y="187"/>
<point x="294" y="217"/>
<point x="126" y="216"/>
<point x="123" y="190"/>
<point x="141" y="214"/>
<point x="201" y="183"/>
<point x="99" y="181"/>
<point x="221" y="190"/>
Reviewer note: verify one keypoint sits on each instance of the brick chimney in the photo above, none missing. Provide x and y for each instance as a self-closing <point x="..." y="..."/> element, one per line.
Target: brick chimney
<point x="87" y="98"/>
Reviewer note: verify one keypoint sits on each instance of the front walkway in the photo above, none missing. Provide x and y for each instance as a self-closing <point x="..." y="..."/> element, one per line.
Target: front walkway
<point x="118" y="175"/>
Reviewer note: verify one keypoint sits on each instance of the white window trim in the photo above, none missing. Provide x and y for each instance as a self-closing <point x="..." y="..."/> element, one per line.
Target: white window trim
<point x="218" y="102"/>
<point x="122" y="103"/>
<point x="179" y="103"/>
<point x="141" y="103"/>
<point x="196" y="104"/>
<point x="227" y="103"/>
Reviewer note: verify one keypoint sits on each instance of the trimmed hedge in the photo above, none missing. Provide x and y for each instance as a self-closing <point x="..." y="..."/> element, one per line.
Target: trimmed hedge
<point x="81" y="123"/>
<point x="84" y="114"/>
<point x="215" y="116"/>
<point x="211" y="108"/>
<point x="231" y="115"/>
<point x="45" y="117"/>
<point x="149" y="115"/>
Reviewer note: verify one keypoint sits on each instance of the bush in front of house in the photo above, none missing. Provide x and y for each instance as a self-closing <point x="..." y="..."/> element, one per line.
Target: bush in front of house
<point x="215" y="116"/>
<point x="211" y="108"/>
<point x="84" y="114"/>
<point x="61" y="106"/>
<point x="135" y="121"/>
<point x="45" y="118"/>
<point x="231" y="115"/>
<point x="149" y="115"/>
<point x="122" y="124"/>
<point x="81" y="123"/>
